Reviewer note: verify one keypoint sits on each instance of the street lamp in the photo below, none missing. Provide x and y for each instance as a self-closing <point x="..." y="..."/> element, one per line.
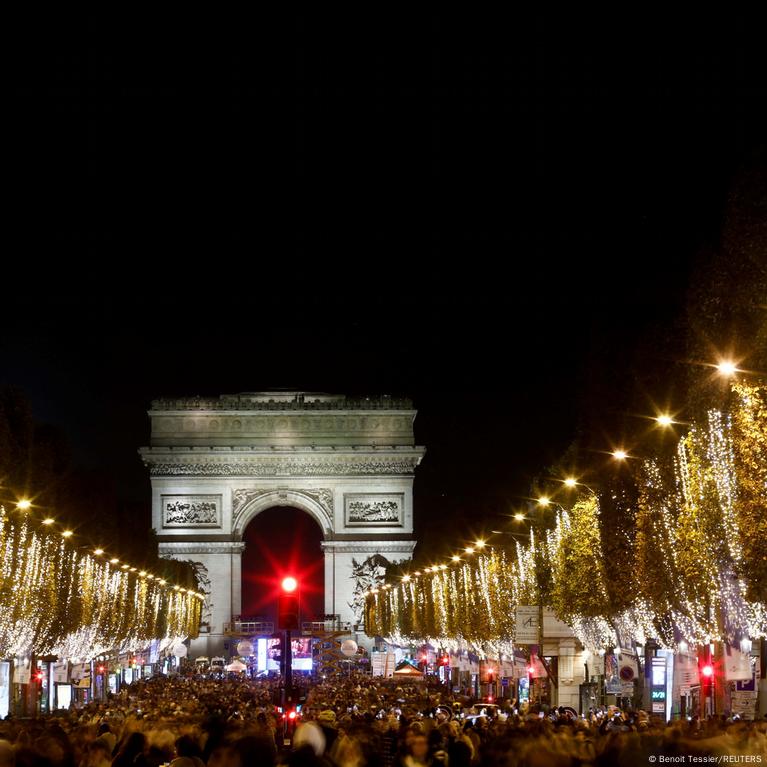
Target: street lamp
<point x="727" y="368"/>
<point x="571" y="483"/>
<point x="664" y="420"/>
<point x="620" y="454"/>
<point x="545" y="503"/>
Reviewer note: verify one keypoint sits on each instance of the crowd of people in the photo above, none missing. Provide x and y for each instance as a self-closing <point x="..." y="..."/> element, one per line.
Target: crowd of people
<point x="353" y="721"/>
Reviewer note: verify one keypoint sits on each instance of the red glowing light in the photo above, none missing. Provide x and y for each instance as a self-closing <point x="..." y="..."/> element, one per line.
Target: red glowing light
<point x="289" y="584"/>
<point x="708" y="671"/>
<point x="530" y="670"/>
<point x="292" y="715"/>
<point x="274" y="551"/>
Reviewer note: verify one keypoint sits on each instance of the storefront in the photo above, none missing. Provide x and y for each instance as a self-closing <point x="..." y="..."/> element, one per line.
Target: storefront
<point x="80" y="676"/>
<point x="61" y="686"/>
<point x="5" y="688"/>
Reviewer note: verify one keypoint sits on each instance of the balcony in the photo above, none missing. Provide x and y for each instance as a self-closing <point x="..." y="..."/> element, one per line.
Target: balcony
<point x="330" y="624"/>
<point x="249" y="628"/>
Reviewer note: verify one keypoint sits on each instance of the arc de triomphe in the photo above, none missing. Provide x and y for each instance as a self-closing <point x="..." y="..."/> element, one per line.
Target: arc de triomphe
<point x="217" y="463"/>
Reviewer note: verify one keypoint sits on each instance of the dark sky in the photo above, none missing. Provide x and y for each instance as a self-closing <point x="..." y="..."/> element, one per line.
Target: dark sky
<point x="485" y="214"/>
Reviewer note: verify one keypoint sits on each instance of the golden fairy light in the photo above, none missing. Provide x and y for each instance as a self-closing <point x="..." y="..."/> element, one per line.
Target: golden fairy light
<point x="60" y="600"/>
<point x="701" y="548"/>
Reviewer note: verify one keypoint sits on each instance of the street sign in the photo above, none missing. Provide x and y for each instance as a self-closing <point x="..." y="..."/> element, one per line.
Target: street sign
<point x="526" y="624"/>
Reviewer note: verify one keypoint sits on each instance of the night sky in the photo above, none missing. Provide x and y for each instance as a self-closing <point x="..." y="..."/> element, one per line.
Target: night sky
<point x="500" y="219"/>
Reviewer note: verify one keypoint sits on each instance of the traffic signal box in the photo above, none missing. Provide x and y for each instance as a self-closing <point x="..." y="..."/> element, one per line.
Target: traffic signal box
<point x="287" y="612"/>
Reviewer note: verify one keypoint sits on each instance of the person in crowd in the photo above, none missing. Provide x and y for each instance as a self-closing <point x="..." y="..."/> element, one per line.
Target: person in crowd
<point x="354" y="720"/>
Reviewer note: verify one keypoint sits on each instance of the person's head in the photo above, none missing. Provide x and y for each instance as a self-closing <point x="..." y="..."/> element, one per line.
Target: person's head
<point x="418" y="745"/>
<point x="99" y="753"/>
<point x="163" y="744"/>
<point x="6" y="754"/>
<point x="50" y="749"/>
<point x="134" y="744"/>
<point x="327" y="718"/>
<point x="253" y="749"/>
<point x="186" y="745"/>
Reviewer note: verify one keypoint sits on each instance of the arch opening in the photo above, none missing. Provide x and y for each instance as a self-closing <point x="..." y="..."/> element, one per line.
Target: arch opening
<point x="282" y="541"/>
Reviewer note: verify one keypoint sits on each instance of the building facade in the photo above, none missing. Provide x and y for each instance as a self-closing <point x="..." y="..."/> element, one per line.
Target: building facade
<point x="215" y="464"/>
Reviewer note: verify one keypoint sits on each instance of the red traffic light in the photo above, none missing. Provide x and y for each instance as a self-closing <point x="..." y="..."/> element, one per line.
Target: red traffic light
<point x="292" y="715"/>
<point x="289" y="584"/>
<point x="707" y="671"/>
<point x="287" y="611"/>
<point x="101" y="669"/>
<point x="39" y="676"/>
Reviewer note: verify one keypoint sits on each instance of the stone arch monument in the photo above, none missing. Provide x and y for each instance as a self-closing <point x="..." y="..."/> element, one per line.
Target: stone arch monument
<point x="215" y="464"/>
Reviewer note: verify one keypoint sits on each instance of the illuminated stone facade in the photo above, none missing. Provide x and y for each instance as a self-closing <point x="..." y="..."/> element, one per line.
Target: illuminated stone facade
<point x="217" y="463"/>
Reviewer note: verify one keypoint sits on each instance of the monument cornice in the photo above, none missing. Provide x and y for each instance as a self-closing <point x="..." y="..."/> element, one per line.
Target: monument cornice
<point x="215" y="462"/>
<point x="279" y="411"/>
<point x="281" y="402"/>
<point x="203" y="547"/>
<point x="365" y="547"/>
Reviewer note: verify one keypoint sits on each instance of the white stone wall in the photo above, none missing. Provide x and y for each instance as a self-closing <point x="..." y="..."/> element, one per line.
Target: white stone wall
<point x="224" y="567"/>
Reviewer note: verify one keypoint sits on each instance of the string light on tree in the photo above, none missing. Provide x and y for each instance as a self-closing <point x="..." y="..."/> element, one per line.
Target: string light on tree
<point x="701" y="539"/>
<point x="60" y="600"/>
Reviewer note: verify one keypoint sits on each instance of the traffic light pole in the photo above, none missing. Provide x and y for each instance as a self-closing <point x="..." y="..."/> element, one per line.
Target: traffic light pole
<point x="288" y="611"/>
<point x="288" y="658"/>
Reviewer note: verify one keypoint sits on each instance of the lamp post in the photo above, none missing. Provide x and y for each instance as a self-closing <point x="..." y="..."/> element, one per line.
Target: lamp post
<point x="544" y="502"/>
